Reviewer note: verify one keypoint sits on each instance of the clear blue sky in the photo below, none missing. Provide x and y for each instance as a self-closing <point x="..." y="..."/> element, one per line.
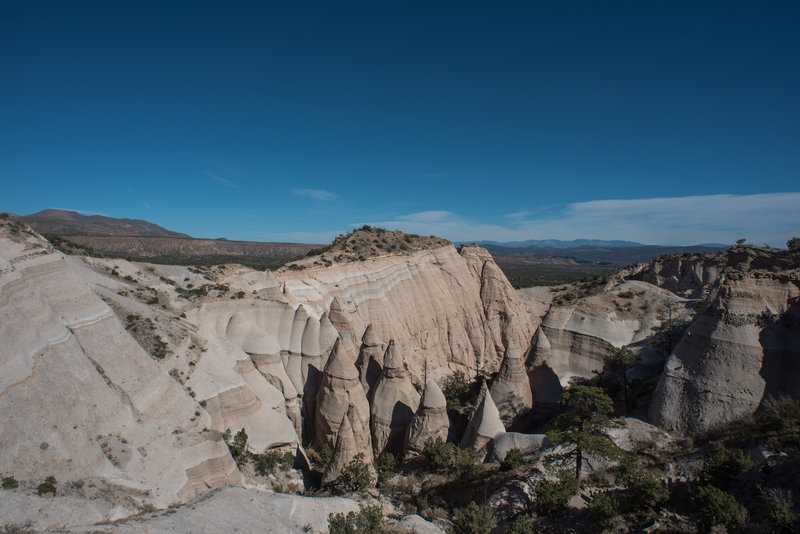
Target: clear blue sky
<point x="658" y="122"/>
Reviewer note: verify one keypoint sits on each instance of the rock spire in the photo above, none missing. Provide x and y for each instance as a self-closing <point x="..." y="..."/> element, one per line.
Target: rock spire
<point x="431" y="419"/>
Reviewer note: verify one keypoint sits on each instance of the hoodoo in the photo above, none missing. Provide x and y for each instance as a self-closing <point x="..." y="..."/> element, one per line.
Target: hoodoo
<point x="484" y="424"/>
<point x="344" y="451"/>
<point x="430" y="421"/>
<point x="394" y="401"/>
<point x="370" y="359"/>
<point x="511" y="388"/>
<point x="339" y="390"/>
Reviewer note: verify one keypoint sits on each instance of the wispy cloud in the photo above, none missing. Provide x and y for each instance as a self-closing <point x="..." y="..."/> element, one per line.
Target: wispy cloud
<point x="315" y="194"/>
<point x="764" y="218"/>
<point x="220" y="180"/>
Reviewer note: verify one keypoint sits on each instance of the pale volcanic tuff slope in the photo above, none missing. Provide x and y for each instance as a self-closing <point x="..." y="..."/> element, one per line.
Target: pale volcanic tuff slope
<point x="80" y="398"/>
<point x="742" y="347"/>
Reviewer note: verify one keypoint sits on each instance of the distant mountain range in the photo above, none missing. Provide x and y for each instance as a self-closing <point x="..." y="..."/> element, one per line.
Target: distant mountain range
<point x="617" y="256"/>
<point x="63" y="222"/>
<point x="575" y="243"/>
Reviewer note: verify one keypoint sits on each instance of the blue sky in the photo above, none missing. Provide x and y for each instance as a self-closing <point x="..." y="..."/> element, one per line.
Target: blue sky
<point x="657" y="122"/>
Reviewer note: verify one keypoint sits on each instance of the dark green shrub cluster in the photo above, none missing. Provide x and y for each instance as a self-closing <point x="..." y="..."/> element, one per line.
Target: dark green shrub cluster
<point x="368" y="520"/>
<point x="267" y="462"/>
<point x="355" y="476"/>
<point x="386" y="466"/>
<point x="716" y="507"/>
<point x="10" y="483"/>
<point x="552" y="497"/>
<point x="320" y="459"/>
<point x="48" y="486"/>
<point x="437" y="455"/>
<point x="457" y="390"/>
<point x="603" y="509"/>
<point x="474" y="519"/>
<point x="512" y="460"/>
<point x="523" y="524"/>
<point x="647" y="492"/>
<point x="468" y="469"/>
<point x="237" y="446"/>
<point x="722" y="464"/>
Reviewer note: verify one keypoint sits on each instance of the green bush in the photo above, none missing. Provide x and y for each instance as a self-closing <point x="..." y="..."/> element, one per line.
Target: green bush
<point x="780" y="515"/>
<point x="553" y="497"/>
<point x="48" y="486"/>
<point x="267" y="463"/>
<point x="512" y="460"/>
<point x="387" y="465"/>
<point x="238" y="446"/>
<point x="10" y="483"/>
<point x="437" y="455"/>
<point x="648" y="493"/>
<point x="523" y="524"/>
<point x="467" y="468"/>
<point x="716" y="507"/>
<point x="368" y="520"/>
<point x="474" y="519"/>
<point x="722" y="464"/>
<point x="603" y="508"/>
<point x="458" y="392"/>
<point x="355" y="476"/>
<point x="320" y="459"/>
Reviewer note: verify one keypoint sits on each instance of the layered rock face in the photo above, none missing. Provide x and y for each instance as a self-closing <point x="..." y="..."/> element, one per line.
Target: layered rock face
<point x="80" y="398"/>
<point x="430" y="421"/>
<point x="742" y="347"/>
<point x="393" y="403"/>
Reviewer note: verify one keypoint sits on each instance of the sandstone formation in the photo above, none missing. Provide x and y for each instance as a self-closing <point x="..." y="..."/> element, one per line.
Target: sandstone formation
<point x="393" y="403"/>
<point x="344" y="451"/>
<point x="339" y="391"/>
<point x="484" y="423"/>
<point x="79" y="397"/>
<point x="370" y="359"/>
<point x="511" y="388"/>
<point x="742" y="347"/>
<point x="430" y="421"/>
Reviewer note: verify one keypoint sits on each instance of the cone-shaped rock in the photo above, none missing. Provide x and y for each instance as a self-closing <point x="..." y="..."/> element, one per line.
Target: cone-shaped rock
<point x="394" y="401"/>
<point x="431" y="419"/>
<point x="484" y="425"/>
<point x="341" y="319"/>
<point x="327" y="333"/>
<point x="539" y="351"/>
<point x="339" y="390"/>
<point x="344" y="451"/>
<point x="370" y="359"/>
<point x="511" y="388"/>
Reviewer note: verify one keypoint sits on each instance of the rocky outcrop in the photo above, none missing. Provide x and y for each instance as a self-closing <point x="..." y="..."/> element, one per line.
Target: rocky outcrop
<point x="393" y="403"/>
<point x="339" y="391"/>
<point x="742" y="347"/>
<point x="370" y="359"/>
<point x="80" y="398"/>
<point x="430" y="421"/>
<point x="511" y="388"/>
<point x="484" y="424"/>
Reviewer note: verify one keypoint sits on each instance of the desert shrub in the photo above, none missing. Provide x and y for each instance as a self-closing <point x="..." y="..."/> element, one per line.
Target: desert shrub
<point x="512" y="460"/>
<point x="626" y="294"/>
<point x="48" y="486"/>
<point x="320" y="459"/>
<point x="523" y="524"/>
<point x="10" y="483"/>
<point x="267" y="462"/>
<point x="473" y="519"/>
<point x="722" y="464"/>
<point x="355" y="476"/>
<point x="780" y="515"/>
<point x="648" y="493"/>
<point x="467" y="468"/>
<point x="437" y="455"/>
<point x="793" y="244"/>
<point x="782" y="414"/>
<point x="387" y="465"/>
<point x="458" y="392"/>
<point x="237" y="446"/>
<point x="368" y="520"/>
<point x="552" y="497"/>
<point x="603" y="508"/>
<point x="716" y="507"/>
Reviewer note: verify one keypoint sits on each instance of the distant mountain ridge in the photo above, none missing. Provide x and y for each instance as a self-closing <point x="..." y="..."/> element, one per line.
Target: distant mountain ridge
<point x="64" y="222"/>
<point x="557" y="243"/>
